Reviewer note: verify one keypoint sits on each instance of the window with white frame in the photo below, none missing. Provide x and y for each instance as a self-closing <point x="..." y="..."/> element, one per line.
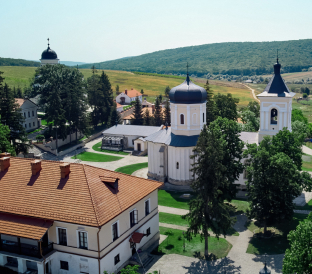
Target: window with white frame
<point x="62" y="237"/>
<point x="133" y="217"/>
<point x="147" y="207"/>
<point x="83" y="239"/>
<point x="115" y="231"/>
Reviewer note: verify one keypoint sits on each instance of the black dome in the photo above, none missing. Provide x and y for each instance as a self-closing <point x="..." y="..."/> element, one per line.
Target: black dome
<point x="48" y="54"/>
<point x="188" y="93"/>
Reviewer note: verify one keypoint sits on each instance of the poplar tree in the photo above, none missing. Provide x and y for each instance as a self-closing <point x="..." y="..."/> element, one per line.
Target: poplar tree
<point x="115" y="117"/>
<point x="94" y="93"/>
<point x="11" y="116"/>
<point x="137" y="118"/>
<point x="158" y="115"/>
<point x="167" y="113"/>
<point x="106" y="98"/>
<point x="208" y="210"/>
<point x="210" y="105"/>
<point x="147" y="119"/>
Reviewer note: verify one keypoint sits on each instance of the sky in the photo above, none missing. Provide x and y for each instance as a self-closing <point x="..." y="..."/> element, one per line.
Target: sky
<point x="101" y="30"/>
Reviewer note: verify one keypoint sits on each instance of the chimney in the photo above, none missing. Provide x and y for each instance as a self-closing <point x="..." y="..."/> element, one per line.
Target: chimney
<point x="131" y="88"/>
<point x="153" y="108"/>
<point x="65" y="169"/>
<point x="126" y="91"/>
<point x="35" y="166"/>
<point x="4" y="163"/>
<point x="5" y="154"/>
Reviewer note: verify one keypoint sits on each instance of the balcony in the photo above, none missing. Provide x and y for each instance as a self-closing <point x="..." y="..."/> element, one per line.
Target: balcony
<point x="25" y="249"/>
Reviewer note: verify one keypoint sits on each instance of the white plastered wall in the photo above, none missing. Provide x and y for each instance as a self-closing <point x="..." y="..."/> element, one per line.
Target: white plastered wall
<point x="127" y="98"/>
<point x="49" y="61"/>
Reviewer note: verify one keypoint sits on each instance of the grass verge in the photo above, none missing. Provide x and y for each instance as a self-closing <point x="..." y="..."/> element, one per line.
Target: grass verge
<point x="96" y="157"/>
<point x="131" y="168"/>
<point x="195" y="248"/>
<point x="97" y="147"/>
<point x="276" y="244"/>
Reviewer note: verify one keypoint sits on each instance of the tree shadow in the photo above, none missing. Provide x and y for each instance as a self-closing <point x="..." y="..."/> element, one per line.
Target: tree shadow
<point x="224" y="265"/>
<point x="274" y="262"/>
<point x="199" y="255"/>
<point x="169" y="247"/>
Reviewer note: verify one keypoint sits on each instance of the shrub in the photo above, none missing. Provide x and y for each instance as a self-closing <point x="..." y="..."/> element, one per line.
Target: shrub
<point x="305" y="95"/>
<point x="39" y="137"/>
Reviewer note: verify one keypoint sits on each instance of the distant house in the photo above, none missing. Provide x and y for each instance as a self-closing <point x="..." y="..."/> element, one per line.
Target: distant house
<point x="248" y="81"/>
<point x="125" y="98"/>
<point x="29" y="111"/>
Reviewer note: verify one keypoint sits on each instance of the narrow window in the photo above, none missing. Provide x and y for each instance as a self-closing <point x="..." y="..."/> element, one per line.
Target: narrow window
<point x="62" y="236"/>
<point x="25" y="125"/>
<point x="203" y="117"/>
<point x="83" y="240"/>
<point x="117" y="259"/>
<point x="148" y="232"/>
<point x="28" y="114"/>
<point x="33" y="123"/>
<point x="64" y="265"/>
<point x="25" y="114"/>
<point x="177" y="165"/>
<point x="115" y="231"/>
<point x="33" y="113"/>
<point x="182" y="119"/>
<point x="29" y="125"/>
<point x="147" y="208"/>
<point x="274" y="116"/>
<point x="133" y="218"/>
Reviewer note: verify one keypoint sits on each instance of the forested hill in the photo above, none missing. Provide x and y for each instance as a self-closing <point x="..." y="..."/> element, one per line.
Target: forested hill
<point x="18" y="62"/>
<point x="233" y="58"/>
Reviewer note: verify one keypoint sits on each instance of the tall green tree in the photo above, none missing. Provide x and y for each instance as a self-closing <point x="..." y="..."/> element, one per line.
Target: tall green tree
<point x="158" y="115"/>
<point x="115" y="117"/>
<point x="12" y="117"/>
<point x="210" y="105"/>
<point x="167" y="90"/>
<point x="254" y="107"/>
<point x="301" y="130"/>
<point x="226" y="106"/>
<point x="297" y="115"/>
<point x="298" y="258"/>
<point x="94" y="95"/>
<point x="107" y="98"/>
<point x="167" y="113"/>
<point x="5" y="144"/>
<point x="137" y="118"/>
<point x="250" y="121"/>
<point x="274" y="179"/>
<point x="147" y="119"/>
<point x="208" y="210"/>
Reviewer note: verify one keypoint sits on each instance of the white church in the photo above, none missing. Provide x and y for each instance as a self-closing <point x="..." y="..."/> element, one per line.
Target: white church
<point x="169" y="150"/>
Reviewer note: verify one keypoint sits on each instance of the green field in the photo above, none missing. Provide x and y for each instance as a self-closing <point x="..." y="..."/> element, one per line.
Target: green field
<point x="195" y="248"/>
<point x="131" y="168"/>
<point x="152" y="85"/>
<point x="96" y="157"/>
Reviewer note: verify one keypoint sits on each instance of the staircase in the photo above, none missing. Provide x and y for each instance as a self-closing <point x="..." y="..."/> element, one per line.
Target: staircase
<point x="141" y="259"/>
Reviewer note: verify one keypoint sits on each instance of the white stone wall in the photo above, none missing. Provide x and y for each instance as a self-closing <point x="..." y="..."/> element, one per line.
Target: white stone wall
<point x="194" y="118"/>
<point x="29" y="112"/>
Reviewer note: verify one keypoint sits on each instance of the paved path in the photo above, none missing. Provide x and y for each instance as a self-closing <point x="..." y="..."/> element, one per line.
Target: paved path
<point x="306" y="150"/>
<point x="172" y="210"/>
<point x="302" y="211"/>
<point x="180" y="227"/>
<point x="253" y="93"/>
<point x="142" y="173"/>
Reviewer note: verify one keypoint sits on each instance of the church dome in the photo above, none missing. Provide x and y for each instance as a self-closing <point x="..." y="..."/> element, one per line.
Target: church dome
<point x="48" y="54"/>
<point x="188" y="93"/>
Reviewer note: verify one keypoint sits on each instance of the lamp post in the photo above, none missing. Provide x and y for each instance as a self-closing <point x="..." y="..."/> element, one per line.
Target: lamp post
<point x="265" y="270"/>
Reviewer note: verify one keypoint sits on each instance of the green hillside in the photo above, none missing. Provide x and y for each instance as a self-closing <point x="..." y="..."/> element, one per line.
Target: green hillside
<point x="18" y="62"/>
<point x="233" y="58"/>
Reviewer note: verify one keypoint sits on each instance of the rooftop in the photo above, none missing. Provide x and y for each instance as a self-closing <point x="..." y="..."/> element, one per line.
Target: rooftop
<point x="132" y="93"/>
<point x="80" y="198"/>
<point x="132" y="130"/>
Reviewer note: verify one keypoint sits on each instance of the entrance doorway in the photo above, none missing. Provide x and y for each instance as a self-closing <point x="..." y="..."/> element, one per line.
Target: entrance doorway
<point x="139" y="147"/>
<point x="133" y="251"/>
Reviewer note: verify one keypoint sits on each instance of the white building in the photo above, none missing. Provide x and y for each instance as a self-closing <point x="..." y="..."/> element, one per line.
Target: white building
<point x="73" y="218"/>
<point x="49" y="56"/>
<point x="169" y="150"/>
<point x="125" y="98"/>
<point x="29" y="110"/>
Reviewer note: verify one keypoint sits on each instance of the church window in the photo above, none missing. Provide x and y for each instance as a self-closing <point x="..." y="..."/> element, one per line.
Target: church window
<point x="194" y="118"/>
<point x="177" y="165"/>
<point x="203" y="117"/>
<point x="274" y="116"/>
<point x="182" y="119"/>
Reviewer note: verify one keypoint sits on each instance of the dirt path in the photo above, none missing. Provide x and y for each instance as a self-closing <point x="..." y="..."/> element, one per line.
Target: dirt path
<point x="252" y="92"/>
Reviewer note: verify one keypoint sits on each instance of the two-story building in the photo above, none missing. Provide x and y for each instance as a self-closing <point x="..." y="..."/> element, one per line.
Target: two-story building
<point x="29" y="110"/>
<point x="58" y="217"/>
<point x="125" y="98"/>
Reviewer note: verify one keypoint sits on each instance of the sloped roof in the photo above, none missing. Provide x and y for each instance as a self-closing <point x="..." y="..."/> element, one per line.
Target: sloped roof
<point x="80" y="198"/>
<point x="19" y="101"/>
<point x="133" y="93"/>
<point x="131" y="130"/>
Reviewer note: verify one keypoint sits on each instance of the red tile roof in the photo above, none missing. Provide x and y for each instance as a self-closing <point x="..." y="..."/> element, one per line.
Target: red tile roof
<point x="20" y="101"/>
<point x="133" y="93"/>
<point x="80" y="198"/>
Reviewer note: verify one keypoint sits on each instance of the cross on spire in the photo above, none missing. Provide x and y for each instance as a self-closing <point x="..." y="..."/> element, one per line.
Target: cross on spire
<point x="277" y="57"/>
<point x="187" y="66"/>
<point x="48" y="42"/>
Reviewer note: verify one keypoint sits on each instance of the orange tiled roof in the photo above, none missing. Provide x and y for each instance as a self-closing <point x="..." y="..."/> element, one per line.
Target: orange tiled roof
<point x="20" y="101"/>
<point x="133" y="93"/>
<point x="24" y="227"/>
<point x="118" y="105"/>
<point x="80" y="198"/>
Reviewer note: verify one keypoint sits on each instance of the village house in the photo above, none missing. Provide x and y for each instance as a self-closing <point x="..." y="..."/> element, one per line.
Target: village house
<point x="60" y="217"/>
<point x="125" y="98"/>
<point x="29" y="110"/>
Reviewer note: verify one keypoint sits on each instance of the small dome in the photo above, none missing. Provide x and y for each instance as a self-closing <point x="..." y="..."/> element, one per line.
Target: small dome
<point x="48" y="54"/>
<point x="188" y="93"/>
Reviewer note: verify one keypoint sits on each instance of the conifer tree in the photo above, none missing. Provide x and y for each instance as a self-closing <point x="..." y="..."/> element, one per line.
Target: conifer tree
<point x="210" y="105"/>
<point x="106" y="98"/>
<point x="208" y="210"/>
<point x="137" y="118"/>
<point x="94" y="93"/>
<point x="158" y="115"/>
<point x="115" y="117"/>
<point x="12" y="117"/>
<point x="167" y="90"/>
<point x="167" y="114"/>
<point x="147" y="119"/>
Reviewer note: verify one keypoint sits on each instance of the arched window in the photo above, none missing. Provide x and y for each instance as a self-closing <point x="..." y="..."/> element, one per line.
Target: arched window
<point x="177" y="165"/>
<point x="194" y="119"/>
<point x="203" y="117"/>
<point x="274" y="116"/>
<point x="182" y="119"/>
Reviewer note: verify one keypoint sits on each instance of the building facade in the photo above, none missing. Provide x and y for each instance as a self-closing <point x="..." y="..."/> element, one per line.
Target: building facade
<point x="125" y="98"/>
<point x="73" y="218"/>
<point x="29" y="110"/>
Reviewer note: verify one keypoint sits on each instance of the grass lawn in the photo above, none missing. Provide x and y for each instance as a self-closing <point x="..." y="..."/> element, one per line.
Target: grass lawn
<point x="307" y="206"/>
<point x="174" y="219"/>
<point x="131" y="168"/>
<point x="195" y="248"/>
<point x="277" y="244"/>
<point x="97" y="147"/>
<point x="307" y="162"/>
<point x="241" y="206"/>
<point x="96" y="157"/>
